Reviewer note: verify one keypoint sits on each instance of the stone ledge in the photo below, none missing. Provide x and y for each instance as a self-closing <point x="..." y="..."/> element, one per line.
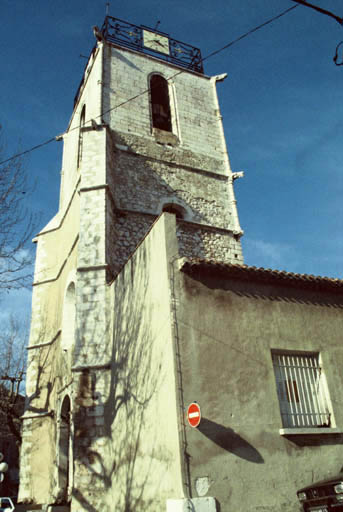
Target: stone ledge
<point x="45" y="343"/>
<point x="165" y="137"/>
<point x="176" y="156"/>
<point x="309" y="431"/>
<point x="36" y="415"/>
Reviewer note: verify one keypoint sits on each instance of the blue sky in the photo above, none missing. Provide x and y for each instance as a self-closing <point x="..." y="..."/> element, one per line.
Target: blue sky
<point x="281" y="104"/>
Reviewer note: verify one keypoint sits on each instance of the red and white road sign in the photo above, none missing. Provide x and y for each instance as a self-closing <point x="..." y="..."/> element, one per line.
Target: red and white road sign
<point x="193" y="414"/>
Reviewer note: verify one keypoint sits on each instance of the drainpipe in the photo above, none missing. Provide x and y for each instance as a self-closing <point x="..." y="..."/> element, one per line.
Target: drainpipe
<point x="184" y="457"/>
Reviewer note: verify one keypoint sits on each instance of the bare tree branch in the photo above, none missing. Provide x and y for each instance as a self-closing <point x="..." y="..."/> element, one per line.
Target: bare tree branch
<point x="17" y="225"/>
<point x="12" y="371"/>
<point x="319" y="9"/>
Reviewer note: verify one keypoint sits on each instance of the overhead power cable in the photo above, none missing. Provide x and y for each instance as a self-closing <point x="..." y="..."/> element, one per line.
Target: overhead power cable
<point x="228" y="45"/>
<point x="246" y="34"/>
<point x="29" y="150"/>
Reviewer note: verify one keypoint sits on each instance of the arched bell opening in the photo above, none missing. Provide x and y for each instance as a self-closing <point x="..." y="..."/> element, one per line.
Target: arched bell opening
<point x="160" y="103"/>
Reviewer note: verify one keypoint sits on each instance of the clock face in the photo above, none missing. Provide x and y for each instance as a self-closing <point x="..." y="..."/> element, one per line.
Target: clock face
<point x="156" y="42"/>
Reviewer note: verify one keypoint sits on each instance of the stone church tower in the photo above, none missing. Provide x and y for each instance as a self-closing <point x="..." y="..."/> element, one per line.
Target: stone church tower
<point x="145" y="137"/>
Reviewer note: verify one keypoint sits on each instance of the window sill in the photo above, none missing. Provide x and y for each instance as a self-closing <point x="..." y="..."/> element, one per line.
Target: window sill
<point x="309" y="431"/>
<point x="164" y="137"/>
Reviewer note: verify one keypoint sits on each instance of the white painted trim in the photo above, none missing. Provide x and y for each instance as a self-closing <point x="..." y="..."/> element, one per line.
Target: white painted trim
<point x="309" y="431"/>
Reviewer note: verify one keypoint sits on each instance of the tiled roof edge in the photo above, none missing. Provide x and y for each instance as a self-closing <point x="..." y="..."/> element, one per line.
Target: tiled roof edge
<point x="194" y="265"/>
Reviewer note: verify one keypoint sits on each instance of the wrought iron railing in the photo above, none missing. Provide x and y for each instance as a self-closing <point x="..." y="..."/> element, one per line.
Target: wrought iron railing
<point x="125" y="34"/>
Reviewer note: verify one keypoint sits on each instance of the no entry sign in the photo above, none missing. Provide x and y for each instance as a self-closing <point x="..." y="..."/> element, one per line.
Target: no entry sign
<point x="193" y="414"/>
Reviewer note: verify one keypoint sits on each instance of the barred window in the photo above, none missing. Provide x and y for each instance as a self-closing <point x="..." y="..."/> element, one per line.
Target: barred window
<point x="301" y="389"/>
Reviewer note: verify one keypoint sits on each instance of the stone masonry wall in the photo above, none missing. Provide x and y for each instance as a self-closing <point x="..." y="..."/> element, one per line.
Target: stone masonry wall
<point x="91" y="317"/>
<point x="195" y="241"/>
<point x="206" y="243"/>
<point x="91" y="277"/>
<point x="197" y="121"/>
<point x="139" y="187"/>
<point x="130" y="229"/>
<point x="91" y="439"/>
<point x="147" y="170"/>
<point x="144" y="184"/>
<point x="90" y="97"/>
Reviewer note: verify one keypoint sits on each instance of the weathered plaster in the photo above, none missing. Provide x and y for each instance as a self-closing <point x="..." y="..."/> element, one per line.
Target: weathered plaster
<point x="227" y="329"/>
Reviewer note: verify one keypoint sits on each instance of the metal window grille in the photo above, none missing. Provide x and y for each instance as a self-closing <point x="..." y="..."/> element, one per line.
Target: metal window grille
<point x="301" y="390"/>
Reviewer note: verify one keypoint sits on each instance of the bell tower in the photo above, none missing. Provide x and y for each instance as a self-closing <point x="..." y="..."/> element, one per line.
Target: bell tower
<point x="145" y="95"/>
<point x="145" y="137"/>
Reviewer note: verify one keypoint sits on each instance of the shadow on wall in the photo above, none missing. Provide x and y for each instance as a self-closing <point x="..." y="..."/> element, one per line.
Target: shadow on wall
<point x="132" y="379"/>
<point x="44" y="361"/>
<point x="110" y="411"/>
<point x="230" y="441"/>
<point x="217" y="278"/>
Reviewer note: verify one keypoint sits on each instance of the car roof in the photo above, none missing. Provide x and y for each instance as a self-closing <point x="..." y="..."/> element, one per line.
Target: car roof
<point x="334" y="479"/>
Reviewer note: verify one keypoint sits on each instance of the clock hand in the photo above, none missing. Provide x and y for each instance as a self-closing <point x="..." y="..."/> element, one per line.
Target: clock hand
<point x="158" y="42"/>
